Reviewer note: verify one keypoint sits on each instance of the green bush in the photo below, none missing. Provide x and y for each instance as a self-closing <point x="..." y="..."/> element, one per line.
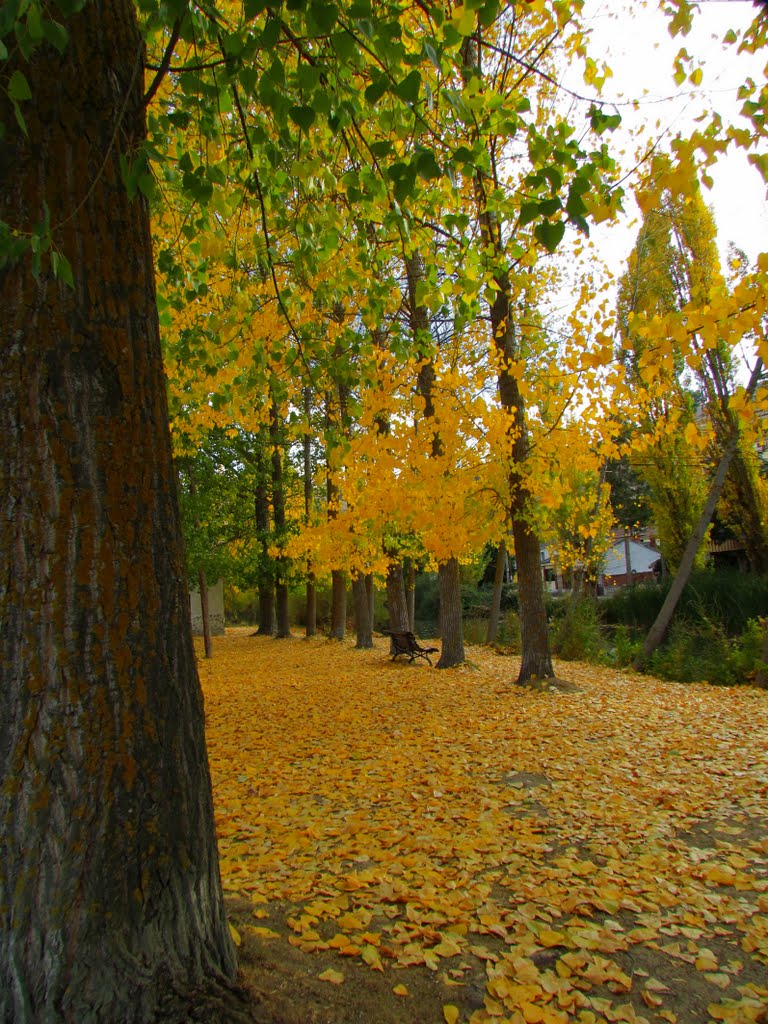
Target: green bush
<point x="577" y="631"/>
<point x="726" y="596"/>
<point x="702" y="651"/>
<point x="624" y="646"/>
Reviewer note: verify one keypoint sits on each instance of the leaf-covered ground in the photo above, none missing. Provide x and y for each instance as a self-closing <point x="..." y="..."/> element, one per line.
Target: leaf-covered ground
<point x="402" y="845"/>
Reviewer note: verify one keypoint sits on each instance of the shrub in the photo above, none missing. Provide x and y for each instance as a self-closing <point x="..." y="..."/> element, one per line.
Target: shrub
<point x="702" y="651"/>
<point x="577" y="632"/>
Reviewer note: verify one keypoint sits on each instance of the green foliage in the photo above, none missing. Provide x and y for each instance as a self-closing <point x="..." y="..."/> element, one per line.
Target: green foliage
<point x="716" y="636"/>
<point x="577" y="633"/>
<point x="624" y="646"/>
<point x="701" y="651"/>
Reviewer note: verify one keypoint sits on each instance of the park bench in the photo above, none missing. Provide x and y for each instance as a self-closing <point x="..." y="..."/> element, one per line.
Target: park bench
<point x="404" y="642"/>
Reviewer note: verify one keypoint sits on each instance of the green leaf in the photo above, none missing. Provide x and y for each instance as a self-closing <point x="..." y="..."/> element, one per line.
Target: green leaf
<point x="56" y="35"/>
<point x="427" y="165"/>
<point x="253" y="8"/>
<point x="344" y="44"/>
<point x="18" y="87"/>
<point x="324" y="16"/>
<point x="408" y="89"/>
<point x="62" y="268"/>
<point x="376" y="89"/>
<point x="528" y="213"/>
<point x="304" y="117"/>
<point x="549" y="234"/>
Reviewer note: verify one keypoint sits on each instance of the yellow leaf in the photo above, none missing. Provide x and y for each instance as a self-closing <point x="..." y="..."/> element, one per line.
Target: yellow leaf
<point x="548" y="937"/>
<point x="450" y="1013"/>
<point x="235" y="934"/>
<point x="264" y="933"/>
<point x="334" y="977"/>
<point x="370" y="955"/>
<point x="400" y="990"/>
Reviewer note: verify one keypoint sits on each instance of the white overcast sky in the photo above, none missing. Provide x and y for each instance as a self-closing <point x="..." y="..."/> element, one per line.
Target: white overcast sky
<point x="634" y="41"/>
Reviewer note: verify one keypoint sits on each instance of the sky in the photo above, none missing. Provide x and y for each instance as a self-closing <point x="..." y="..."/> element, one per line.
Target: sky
<point x="634" y="41"/>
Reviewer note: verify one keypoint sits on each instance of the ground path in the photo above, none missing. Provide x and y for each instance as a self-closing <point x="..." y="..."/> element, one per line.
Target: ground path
<point x="402" y="845"/>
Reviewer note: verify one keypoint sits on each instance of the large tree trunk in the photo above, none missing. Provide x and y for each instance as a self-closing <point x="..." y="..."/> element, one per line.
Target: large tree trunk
<point x="451" y="619"/>
<point x="267" y="622"/>
<point x="110" y="898"/>
<point x="498" y="583"/>
<point x="362" y="613"/>
<point x="397" y="602"/>
<point x="536" y="661"/>
<point x="338" y="604"/>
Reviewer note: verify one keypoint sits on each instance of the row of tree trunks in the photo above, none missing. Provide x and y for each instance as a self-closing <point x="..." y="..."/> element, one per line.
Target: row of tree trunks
<point x="110" y="898"/>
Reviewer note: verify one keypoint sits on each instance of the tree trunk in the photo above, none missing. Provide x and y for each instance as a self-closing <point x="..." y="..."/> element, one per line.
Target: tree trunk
<point x="397" y="602"/>
<point x="362" y="616"/>
<point x="370" y="590"/>
<point x="409" y="571"/>
<point x="310" y="603"/>
<point x="451" y="619"/>
<point x="202" y="584"/>
<point x="110" y="898"/>
<point x="498" y="583"/>
<point x="338" y="605"/>
<point x="278" y="512"/>
<point x="536" y="661"/>
<point x="663" y="619"/>
<point x="310" y="607"/>
<point x="265" y="584"/>
<point x="267" y="622"/>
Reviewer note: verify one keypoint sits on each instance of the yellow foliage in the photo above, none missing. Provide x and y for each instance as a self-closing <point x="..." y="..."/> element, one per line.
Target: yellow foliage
<point x="417" y="814"/>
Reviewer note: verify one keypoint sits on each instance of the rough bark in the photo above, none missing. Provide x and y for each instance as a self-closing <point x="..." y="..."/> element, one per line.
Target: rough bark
<point x="409" y="571"/>
<point x="267" y="621"/>
<point x="202" y="583"/>
<point x="498" y="582"/>
<point x="536" y="660"/>
<point x="362" y="613"/>
<point x="370" y="590"/>
<point x="110" y="898"/>
<point x="397" y="601"/>
<point x="451" y="619"/>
